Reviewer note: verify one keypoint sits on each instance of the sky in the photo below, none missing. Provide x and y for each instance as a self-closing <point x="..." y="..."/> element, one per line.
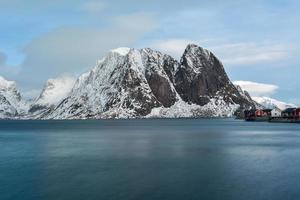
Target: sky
<point x="258" y="41"/>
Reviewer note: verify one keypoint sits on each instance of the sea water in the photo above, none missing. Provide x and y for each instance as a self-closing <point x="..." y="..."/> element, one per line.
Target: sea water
<point x="151" y="159"/>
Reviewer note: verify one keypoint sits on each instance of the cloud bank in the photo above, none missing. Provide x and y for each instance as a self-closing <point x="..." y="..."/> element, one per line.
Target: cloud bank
<point x="2" y="59"/>
<point x="76" y="49"/>
<point x="174" y="47"/>
<point x="231" y="54"/>
<point x="257" y="89"/>
<point x="252" y="53"/>
<point x="93" y="7"/>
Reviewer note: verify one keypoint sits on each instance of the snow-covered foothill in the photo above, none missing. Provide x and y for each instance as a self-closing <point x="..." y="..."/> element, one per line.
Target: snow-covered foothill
<point x="271" y="103"/>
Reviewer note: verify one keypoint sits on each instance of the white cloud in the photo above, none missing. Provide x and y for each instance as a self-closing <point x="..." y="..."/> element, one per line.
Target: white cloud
<point x="174" y="47"/>
<point x="60" y="87"/>
<point x="257" y="89"/>
<point x="56" y="89"/>
<point x="76" y="49"/>
<point x="251" y="53"/>
<point x="231" y="54"/>
<point x="93" y="6"/>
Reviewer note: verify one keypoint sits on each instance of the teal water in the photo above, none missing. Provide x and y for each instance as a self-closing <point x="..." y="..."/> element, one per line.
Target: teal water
<point x="149" y="159"/>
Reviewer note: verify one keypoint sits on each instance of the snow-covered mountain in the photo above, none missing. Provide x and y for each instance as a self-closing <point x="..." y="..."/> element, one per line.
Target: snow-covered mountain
<point x="54" y="91"/>
<point x="130" y="83"/>
<point x="11" y="103"/>
<point x="270" y="103"/>
<point x="138" y="83"/>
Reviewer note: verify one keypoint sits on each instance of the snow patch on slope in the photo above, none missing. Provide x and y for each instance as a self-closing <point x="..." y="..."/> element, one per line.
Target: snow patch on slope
<point x="215" y="108"/>
<point x="123" y="51"/>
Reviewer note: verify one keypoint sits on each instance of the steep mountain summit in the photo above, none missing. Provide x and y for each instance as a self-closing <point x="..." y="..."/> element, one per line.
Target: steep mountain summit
<point x="196" y="58"/>
<point x="147" y="83"/>
<point x="121" y="85"/>
<point x="201" y="77"/>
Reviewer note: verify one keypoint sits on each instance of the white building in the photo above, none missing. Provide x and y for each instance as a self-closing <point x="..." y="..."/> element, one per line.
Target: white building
<point x="276" y="112"/>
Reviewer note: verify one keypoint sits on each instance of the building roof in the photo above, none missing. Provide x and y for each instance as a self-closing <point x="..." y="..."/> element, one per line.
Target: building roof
<point x="267" y="110"/>
<point x="276" y="109"/>
<point x="289" y="110"/>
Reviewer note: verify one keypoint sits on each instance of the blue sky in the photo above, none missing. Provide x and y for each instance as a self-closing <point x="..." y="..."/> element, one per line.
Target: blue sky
<point x="258" y="41"/>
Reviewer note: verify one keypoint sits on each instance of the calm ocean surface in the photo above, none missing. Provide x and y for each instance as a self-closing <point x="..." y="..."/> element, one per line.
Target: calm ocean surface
<point x="149" y="159"/>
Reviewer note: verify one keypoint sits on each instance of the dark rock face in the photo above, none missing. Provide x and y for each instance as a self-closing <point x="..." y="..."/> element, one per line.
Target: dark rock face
<point x="137" y="94"/>
<point x="161" y="89"/>
<point x="201" y="76"/>
<point x="170" y="65"/>
<point x="159" y="73"/>
<point x="35" y="108"/>
<point x="140" y="98"/>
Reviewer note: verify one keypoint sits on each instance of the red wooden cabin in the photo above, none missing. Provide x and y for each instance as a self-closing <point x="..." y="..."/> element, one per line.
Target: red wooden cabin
<point x="297" y="113"/>
<point x="259" y="113"/>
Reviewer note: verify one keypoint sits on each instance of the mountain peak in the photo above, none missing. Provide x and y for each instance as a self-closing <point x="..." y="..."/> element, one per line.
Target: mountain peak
<point x="201" y="76"/>
<point x="198" y="57"/>
<point x="195" y="49"/>
<point x="191" y="46"/>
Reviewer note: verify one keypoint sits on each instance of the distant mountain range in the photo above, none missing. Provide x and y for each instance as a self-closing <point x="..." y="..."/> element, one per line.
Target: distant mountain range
<point x="270" y="103"/>
<point x="135" y="83"/>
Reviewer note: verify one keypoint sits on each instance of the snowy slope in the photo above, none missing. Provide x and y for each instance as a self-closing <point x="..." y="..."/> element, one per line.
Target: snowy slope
<point x="116" y="87"/>
<point x="11" y="103"/>
<point x="181" y="109"/>
<point x="268" y="102"/>
<point x="131" y="83"/>
<point x="54" y="91"/>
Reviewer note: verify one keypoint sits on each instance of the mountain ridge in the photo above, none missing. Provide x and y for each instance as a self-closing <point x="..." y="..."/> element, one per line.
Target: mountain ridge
<point x="139" y="83"/>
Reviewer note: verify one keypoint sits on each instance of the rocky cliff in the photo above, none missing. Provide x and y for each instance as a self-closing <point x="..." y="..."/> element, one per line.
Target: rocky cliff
<point x="130" y="83"/>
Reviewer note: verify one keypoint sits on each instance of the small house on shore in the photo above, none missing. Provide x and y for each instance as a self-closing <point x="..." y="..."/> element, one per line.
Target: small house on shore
<point x="288" y="113"/>
<point x="297" y="113"/>
<point x="267" y="112"/>
<point x="276" y="112"/>
<point x="259" y="113"/>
